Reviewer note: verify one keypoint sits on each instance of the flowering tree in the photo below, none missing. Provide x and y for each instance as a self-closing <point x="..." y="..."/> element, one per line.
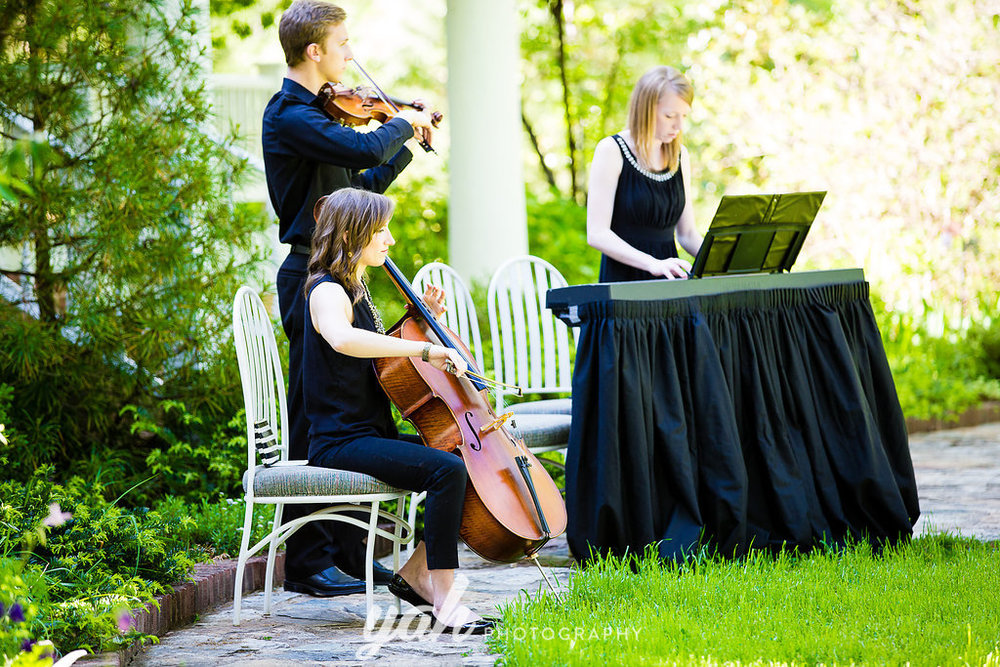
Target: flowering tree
<point x="886" y="106"/>
<point x="889" y="106"/>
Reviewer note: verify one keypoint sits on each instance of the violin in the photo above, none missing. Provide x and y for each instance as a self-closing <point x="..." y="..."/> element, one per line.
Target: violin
<point x="512" y="506"/>
<point x="357" y="106"/>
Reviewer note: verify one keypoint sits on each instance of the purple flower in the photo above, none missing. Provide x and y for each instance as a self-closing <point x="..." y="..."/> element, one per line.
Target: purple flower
<point x="56" y="516"/>
<point x="16" y="613"/>
<point x="27" y="644"/>
<point x="1" y="609"/>
<point x="125" y="621"/>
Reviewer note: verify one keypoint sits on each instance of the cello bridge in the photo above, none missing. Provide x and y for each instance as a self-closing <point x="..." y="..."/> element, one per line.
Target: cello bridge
<point x="495" y="424"/>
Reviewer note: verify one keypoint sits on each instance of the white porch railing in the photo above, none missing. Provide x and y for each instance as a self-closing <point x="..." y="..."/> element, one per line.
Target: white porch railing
<point x="239" y="101"/>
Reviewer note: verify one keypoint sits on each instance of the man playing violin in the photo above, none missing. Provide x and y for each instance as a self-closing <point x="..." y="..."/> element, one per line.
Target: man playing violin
<point x="307" y="154"/>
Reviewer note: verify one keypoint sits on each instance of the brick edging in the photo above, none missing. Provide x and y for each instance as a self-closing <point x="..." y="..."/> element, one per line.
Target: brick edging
<point x="211" y="585"/>
<point x="983" y="413"/>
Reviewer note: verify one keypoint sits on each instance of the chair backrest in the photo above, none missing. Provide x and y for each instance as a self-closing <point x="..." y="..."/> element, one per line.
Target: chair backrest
<point x="263" y="381"/>
<point x="461" y="316"/>
<point x="531" y="347"/>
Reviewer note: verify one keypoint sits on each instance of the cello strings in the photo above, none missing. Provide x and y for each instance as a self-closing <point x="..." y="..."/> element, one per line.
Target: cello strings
<point x="496" y="383"/>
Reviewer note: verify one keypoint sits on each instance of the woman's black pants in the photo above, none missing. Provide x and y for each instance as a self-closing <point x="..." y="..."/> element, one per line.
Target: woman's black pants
<point x="407" y="464"/>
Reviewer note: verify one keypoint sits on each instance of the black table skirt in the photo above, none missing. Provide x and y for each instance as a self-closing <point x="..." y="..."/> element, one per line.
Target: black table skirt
<point x="745" y="420"/>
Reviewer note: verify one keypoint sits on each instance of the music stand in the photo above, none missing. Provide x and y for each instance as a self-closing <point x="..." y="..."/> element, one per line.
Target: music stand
<point x="756" y="233"/>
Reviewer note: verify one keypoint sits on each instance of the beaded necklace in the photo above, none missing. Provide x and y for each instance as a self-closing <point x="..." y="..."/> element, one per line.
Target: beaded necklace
<point x="652" y="175"/>
<point x="371" y="306"/>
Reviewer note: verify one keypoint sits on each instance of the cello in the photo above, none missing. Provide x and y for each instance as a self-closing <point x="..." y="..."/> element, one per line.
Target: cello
<point x="512" y="506"/>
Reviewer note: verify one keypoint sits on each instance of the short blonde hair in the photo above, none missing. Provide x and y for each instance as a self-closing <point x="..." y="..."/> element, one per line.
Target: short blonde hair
<point x="646" y="95"/>
<point x="306" y="22"/>
<point x="346" y="222"/>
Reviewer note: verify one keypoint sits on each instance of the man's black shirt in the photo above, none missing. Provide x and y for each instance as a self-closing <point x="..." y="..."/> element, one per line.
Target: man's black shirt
<point x="307" y="154"/>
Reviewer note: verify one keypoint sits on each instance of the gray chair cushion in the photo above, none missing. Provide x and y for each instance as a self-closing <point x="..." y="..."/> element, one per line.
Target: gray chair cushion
<point x="313" y="481"/>
<point x="542" y="430"/>
<point x="557" y="406"/>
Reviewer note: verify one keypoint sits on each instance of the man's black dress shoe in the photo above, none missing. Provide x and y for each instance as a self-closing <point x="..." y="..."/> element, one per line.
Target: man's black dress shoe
<point x="329" y="583"/>
<point x="405" y="592"/>
<point x="381" y="575"/>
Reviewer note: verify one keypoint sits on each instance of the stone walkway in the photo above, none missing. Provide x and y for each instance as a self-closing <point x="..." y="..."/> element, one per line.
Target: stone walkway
<point x="958" y="481"/>
<point x="302" y="630"/>
<point x="958" y="478"/>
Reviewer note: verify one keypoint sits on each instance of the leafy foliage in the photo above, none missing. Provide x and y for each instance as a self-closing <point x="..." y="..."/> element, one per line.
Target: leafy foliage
<point x="194" y="460"/>
<point x="89" y="570"/>
<point x="557" y="231"/>
<point x="134" y="243"/>
<point x="987" y="340"/>
<point x="936" y="374"/>
<point x="233" y="16"/>
<point x="215" y="527"/>
<point x="18" y="613"/>
<point x="840" y="96"/>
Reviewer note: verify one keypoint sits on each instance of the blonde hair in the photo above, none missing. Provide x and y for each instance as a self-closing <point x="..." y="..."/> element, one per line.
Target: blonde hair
<point x="306" y="22"/>
<point x="346" y="222"/>
<point x="646" y="95"/>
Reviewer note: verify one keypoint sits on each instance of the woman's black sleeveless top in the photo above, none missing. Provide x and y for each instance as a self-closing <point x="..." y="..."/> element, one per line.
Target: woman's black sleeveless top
<point x="648" y="205"/>
<point x="343" y="398"/>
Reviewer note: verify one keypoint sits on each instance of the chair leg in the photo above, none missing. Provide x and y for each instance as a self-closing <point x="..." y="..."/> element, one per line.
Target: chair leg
<point x="370" y="568"/>
<point x="272" y="551"/>
<point x="398" y="532"/>
<point x="241" y="562"/>
<point x="415" y="500"/>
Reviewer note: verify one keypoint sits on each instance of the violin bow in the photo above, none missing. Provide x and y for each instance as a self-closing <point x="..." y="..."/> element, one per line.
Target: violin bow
<point x="385" y="98"/>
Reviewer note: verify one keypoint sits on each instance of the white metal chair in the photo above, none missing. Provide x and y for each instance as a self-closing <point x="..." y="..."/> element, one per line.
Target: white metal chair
<point x="460" y="317"/>
<point x="461" y="314"/>
<point x="531" y="349"/>
<point x="278" y="481"/>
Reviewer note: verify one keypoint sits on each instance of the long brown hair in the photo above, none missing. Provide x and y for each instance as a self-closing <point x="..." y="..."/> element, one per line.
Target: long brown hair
<point x="642" y="112"/>
<point x="346" y="222"/>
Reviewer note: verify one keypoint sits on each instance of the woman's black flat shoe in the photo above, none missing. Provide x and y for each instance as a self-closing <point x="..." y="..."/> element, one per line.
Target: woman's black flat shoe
<point x="405" y="592"/>
<point x="478" y="627"/>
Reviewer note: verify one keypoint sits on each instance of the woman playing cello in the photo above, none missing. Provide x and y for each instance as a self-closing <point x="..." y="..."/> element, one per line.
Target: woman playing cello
<point x="351" y="421"/>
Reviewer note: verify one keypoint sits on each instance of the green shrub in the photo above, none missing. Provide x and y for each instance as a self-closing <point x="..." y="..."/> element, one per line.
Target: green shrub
<point x="191" y="459"/>
<point x="936" y="376"/>
<point x="987" y="340"/>
<point x="557" y="232"/>
<point x="214" y="528"/>
<point x="89" y="568"/>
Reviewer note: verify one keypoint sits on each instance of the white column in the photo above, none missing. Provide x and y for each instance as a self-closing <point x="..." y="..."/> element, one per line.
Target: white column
<point x="487" y="222"/>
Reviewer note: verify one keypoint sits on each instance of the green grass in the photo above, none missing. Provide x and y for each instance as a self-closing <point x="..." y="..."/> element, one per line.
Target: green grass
<point x="933" y="601"/>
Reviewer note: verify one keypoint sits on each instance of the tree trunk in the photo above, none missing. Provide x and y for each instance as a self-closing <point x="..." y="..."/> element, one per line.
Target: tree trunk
<point x="609" y="87"/>
<point x="549" y="176"/>
<point x="45" y="285"/>
<point x="557" y="15"/>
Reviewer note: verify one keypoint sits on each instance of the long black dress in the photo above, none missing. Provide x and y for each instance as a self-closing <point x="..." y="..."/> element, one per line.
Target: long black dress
<point x="648" y="205"/>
